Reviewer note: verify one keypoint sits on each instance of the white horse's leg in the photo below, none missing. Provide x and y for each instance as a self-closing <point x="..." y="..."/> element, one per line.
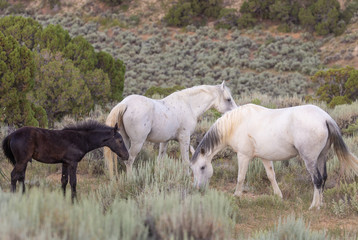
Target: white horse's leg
<point x="243" y="162"/>
<point x="271" y="176"/>
<point x="162" y="150"/>
<point x="317" y="198"/>
<point x="184" y="143"/>
<point x="317" y="180"/>
<point x="133" y="152"/>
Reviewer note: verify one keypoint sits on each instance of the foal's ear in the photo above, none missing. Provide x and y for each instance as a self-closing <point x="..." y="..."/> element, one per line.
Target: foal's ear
<point x="116" y="127"/>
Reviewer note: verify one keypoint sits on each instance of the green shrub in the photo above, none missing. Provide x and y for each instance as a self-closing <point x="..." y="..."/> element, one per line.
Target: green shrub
<point x="290" y="228"/>
<point x="336" y="86"/>
<point x="187" y="12"/>
<point x="4" y="4"/>
<point x="351" y="129"/>
<point x="343" y="199"/>
<point x="324" y="16"/>
<point x="227" y="18"/>
<point x="113" y="2"/>
<point x="180" y="15"/>
<point x="246" y="20"/>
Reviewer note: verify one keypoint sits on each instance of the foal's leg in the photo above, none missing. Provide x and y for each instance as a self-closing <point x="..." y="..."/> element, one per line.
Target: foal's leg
<point x="18" y="174"/>
<point x="162" y="150"/>
<point x="72" y="168"/>
<point x="22" y="177"/>
<point x="243" y="163"/>
<point x="271" y="176"/>
<point x="64" y="177"/>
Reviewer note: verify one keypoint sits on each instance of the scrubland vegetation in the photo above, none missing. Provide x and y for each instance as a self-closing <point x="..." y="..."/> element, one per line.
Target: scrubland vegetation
<point x="250" y="60"/>
<point x="159" y="202"/>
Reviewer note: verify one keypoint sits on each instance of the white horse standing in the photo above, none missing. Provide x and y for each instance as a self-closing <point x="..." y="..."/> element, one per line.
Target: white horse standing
<point x="171" y="118"/>
<point x="274" y="135"/>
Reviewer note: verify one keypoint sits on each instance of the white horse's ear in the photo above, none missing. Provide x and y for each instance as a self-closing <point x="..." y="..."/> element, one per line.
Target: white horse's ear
<point x="222" y="86"/>
<point x="192" y="150"/>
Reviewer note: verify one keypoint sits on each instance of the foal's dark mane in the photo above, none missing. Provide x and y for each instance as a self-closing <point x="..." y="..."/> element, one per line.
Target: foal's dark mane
<point x="87" y="126"/>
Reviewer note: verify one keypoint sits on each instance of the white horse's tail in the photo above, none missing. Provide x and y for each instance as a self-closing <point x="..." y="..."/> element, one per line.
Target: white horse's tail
<point x="115" y="116"/>
<point x="346" y="158"/>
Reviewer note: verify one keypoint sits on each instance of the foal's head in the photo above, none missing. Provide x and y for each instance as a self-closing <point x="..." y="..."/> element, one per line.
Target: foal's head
<point x="116" y="143"/>
<point x="224" y="102"/>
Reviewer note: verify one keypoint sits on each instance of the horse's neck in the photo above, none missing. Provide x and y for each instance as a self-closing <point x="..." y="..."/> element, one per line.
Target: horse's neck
<point x="93" y="140"/>
<point x="198" y="100"/>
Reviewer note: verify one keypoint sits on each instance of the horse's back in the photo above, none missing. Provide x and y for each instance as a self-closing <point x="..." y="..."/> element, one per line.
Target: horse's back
<point x="138" y="105"/>
<point x="279" y="132"/>
<point x="155" y="120"/>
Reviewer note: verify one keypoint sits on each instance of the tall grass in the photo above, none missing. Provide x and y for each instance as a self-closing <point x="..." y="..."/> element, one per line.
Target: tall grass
<point x="290" y="228"/>
<point x="156" y="202"/>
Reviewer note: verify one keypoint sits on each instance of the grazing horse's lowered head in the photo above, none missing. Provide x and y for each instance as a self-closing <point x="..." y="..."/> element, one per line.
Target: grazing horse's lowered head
<point x="200" y="162"/>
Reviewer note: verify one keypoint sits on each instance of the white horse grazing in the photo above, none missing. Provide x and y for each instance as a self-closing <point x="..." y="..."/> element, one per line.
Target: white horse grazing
<point x="274" y="135"/>
<point x="172" y="118"/>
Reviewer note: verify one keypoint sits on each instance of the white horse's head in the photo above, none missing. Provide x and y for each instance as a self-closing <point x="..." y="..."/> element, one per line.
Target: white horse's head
<point x="202" y="168"/>
<point x="224" y="102"/>
<point x="201" y="165"/>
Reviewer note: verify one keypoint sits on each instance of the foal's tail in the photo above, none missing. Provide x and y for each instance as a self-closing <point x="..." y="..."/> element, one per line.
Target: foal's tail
<point x="346" y="158"/>
<point x="7" y="150"/>
<point x="115" y="116"/>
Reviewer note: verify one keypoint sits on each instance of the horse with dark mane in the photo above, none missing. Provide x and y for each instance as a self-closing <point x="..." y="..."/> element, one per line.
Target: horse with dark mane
<point x="66" y="146"/>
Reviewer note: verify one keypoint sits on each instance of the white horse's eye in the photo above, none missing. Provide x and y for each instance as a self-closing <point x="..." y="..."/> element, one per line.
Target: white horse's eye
<point x="229" y="99"/>
<point x="202" y="168"/>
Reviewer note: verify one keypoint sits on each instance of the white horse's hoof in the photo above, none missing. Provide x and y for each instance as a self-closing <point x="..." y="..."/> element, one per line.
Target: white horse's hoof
<point x="314" y="207"/>
<point x="237" y="194"/>
<point x="279" y="194"/>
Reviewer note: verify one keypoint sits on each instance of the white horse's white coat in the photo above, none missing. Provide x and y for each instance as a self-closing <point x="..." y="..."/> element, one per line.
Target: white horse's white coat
<point x="171" y="118"/>
<point x="274" y="135"/>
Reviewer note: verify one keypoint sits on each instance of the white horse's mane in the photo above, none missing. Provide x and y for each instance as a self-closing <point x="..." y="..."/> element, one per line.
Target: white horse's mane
<point x="193" y="90"/>
<point x="220" y="131"/>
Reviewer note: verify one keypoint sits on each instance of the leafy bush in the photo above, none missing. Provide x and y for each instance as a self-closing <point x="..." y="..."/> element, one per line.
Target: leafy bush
<point x="4" y="4"/>
<point x="343" y="199"/>
<point x="227" y="18"/>
<point x="246" y="20"/>
<point x="17" y="72"/>
<point x="71" y="59"/>
<point x="337" y="86"/>
<point x="113" y="2"/>
<point x="187" y="12"/>
<point x="323" y="16"/>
